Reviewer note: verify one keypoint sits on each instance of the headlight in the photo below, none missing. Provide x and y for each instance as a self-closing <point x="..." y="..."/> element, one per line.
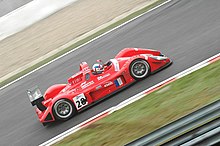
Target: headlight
<point x="159" y="57"/>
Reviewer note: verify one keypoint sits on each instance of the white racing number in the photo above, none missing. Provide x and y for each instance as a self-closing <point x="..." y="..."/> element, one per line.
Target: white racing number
<point x="116" y="64"/>
<point x="80" y="101"/>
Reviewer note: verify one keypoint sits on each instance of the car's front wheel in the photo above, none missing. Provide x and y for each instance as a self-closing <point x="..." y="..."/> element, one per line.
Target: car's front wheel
<point x="63" y="109"/>
<point x="139" y="69"/>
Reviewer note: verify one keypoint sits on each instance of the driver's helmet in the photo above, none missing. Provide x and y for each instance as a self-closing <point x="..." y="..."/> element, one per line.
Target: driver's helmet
<point x="97" y="68"/>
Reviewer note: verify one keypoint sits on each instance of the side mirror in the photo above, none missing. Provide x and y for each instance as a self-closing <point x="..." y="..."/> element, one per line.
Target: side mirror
<point x="99" y="61"/>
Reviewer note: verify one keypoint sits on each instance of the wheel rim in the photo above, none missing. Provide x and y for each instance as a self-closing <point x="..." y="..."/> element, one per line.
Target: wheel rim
<point x="63" y="109"/>
<point x="140" y="69"/>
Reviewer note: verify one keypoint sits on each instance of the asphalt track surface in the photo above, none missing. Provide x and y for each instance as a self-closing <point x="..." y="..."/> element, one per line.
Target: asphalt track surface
<point x="7" y="6"/>
<point x="187" y="31"/>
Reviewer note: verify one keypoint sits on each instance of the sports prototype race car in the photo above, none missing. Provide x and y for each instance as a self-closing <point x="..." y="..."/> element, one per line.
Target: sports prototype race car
<point x="88" y="86"/>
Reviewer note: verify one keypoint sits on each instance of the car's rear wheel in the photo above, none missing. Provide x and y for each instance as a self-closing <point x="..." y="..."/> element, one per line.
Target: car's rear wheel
<point x="63" y="109"/>
<point x="139" y="69"/>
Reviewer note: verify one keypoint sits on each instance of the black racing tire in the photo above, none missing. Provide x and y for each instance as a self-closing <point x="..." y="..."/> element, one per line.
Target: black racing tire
<point x="63" y="109"/>
<point x="139" y="69"/>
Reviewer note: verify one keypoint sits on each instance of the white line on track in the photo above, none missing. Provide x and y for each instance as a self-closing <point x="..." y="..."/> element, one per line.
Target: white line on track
<point x="83" y="45"/>
<point x="131" y="100"/>
<point x="28" y="14"/>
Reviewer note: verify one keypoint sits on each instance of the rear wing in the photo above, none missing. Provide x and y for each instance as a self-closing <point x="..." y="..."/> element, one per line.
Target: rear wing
<point x="36" y="97"/>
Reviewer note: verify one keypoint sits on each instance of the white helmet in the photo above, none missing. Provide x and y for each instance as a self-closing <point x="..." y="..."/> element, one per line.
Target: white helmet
<point x="97" y="68"/>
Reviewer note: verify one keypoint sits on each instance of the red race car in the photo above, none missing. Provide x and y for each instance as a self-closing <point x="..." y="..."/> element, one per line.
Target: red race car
<point x="85" y="88"/>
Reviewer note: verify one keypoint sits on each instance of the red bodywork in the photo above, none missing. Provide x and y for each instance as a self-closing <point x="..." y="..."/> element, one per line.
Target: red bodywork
<point x="115" y="76"/>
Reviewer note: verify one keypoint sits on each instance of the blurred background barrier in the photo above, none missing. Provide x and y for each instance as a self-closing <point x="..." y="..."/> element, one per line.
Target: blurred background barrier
<point x="201" y="127"/>
<point x="7" y="6"/>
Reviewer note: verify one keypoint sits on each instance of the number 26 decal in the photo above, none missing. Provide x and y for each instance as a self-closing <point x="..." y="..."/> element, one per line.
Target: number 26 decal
<point x="80" y="101"/>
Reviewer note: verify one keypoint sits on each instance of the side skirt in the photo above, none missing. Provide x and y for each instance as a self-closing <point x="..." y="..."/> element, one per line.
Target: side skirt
<point x="107" y="96"/>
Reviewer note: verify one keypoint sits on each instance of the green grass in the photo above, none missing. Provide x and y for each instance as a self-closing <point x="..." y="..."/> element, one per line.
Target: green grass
<point x="81" y="42"/>
<point x="153" y="111"/>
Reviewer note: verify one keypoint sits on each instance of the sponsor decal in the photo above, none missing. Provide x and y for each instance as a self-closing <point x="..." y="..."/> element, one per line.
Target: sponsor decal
<point x="76" y="80"/>
<point x="108" y="84"/>
<point x="85" y="84"/>
<point x="118" y="82"/>
<point x="104" y="76"/>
